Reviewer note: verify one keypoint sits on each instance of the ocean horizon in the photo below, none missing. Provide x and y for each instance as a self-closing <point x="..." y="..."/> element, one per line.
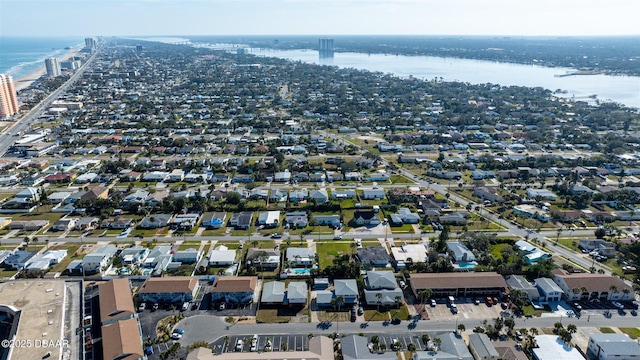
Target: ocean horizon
<point x="21" y="56"/>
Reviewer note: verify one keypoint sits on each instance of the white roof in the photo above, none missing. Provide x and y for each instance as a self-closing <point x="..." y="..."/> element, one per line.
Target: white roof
<point x="551" y="347"/>
<point x="417" y="253"/>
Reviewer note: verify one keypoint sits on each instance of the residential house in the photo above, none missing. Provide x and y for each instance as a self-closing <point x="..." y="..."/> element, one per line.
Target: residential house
<point x="241" y="220"/>
<point x="482" y="348"/>
<point x="452" y="347"/>
<point x="373" y="194"/>
<point x="86" y="223"/>
<point x="296" y="196"/>
<point x="155" y="176"/>
<point x="319" y="196"/>
<point x="366" y="218"/>
<point x="269" y="219"/>
<point x="296" y="220"/>
<point x="488" y="194"/>
<point x="543" y="194"/>
<point x="381" y="288"/>
<point x="175" y="175"/>
<point x="612" y="347"/>
<point x="300" y="257"/>
<point x="19" y="259"/>
<point x="460" y="252"/>
<point x="376" y="256"/>
<point x="98" y="259"/>
<point x="234" y="290"/>
<point x="214" y="220"/>
<point x="184" y="221"/>
<point x="187" y="256"/>
<point x="64" y="224"/>
<point x="603" y="247"/>
<point x="263" y="258"/>
<point x="532" y="211"/>
<point x="331" y="220"/>
<point x="551" y="347"/>
<point x="156" y="221"/>
<point x="97" y="192"/>
<point x="278" y="195"/>
<point x="177" y="289"/>
<point x="222" y="256"/>
<point x="549" y="290"/>
<point x="283" y="176"/>
<point x="408" y="217"/>
<point x="135" y="199"/>
<point x="347" y="289"/>
<point x="517" y="282"/>
<point x="343" y="194"/>
<point x="355" y="347"/>
<point x="415" y="253"/>
<point x="134" y="255"/>
<point x="454" y="218"/>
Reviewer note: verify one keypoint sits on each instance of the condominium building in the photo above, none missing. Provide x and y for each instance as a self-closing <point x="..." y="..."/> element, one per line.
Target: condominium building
<point x="8" y="99"/>
<point x="53" y="67"/>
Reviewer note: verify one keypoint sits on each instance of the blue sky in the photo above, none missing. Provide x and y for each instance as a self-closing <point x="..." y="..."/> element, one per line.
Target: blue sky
<point x="318" y="17"/>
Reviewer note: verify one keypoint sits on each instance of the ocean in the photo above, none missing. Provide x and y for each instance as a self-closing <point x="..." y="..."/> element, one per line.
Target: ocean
<point x="20" y="56"/>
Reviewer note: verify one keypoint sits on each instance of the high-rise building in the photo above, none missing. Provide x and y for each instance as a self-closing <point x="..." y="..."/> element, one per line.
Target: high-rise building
<point x="53" y="67"/>
<point x="90" y="42"/>
<point x="325" y="48"/>
<point x="8" y="99"/>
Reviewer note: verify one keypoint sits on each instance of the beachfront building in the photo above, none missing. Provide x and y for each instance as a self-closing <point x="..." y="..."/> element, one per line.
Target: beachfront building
<point x="8" y="100"/>
<point x="53" y="67"/>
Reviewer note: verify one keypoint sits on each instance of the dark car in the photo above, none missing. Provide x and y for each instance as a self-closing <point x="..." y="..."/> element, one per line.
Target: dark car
<point x="396" y="321"/>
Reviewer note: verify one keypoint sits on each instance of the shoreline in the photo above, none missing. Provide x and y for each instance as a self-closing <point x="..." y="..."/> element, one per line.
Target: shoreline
<point x="25" y="81"/>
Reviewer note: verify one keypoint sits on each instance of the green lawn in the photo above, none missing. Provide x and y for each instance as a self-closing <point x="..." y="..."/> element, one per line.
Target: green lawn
<point x="374" y="315"/>
<point x="496" y="250"/>
<point x="606" y="330"/>
<point x="271" y="316"/>
<point x="400" y="179"/>
<point x="327" y="251"/>
<point x="405" y="228"/>
<point x="7" y="272"/>
<point x="633" y="333"/>
<point x="528" y="310"/>
<point x="214" y="232"/>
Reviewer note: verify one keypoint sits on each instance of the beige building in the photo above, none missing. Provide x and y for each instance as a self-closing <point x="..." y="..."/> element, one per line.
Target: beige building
<point x="8" y="99"/>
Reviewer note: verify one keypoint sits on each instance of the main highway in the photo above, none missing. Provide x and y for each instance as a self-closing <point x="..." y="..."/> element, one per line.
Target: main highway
<point x="22" y="124"/>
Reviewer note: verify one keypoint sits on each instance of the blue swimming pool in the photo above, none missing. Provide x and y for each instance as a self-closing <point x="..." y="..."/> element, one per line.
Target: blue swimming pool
<point x="302" y="271"/>
<point x="466" y="265"/>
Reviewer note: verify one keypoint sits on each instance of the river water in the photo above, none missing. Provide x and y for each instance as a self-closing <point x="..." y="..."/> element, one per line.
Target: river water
<point x="621" y="89"/>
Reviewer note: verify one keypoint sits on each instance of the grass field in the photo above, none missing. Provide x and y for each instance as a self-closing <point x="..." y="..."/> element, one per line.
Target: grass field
<point x="271" y="316"/>
<point x="496" y="250"/>
<point x="633" y="333"/>
<point x="327" y="251"/>
<point x="606" y="330"/>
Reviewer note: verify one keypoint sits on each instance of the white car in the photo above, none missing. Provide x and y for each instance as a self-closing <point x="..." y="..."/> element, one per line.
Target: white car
<point x="617" y="304"/>
<point x="239" y="345"/>
<point x="254" y="343"/>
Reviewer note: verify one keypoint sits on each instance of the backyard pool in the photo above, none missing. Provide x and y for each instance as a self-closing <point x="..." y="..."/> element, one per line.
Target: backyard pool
<point x="465" y="266"/>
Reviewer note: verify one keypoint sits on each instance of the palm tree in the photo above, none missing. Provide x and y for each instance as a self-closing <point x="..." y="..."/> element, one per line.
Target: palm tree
<point x="27" y="240"/>
<point x="613" y="288"/>
<point x="398" y="298"/>
<point x="47" y="242"/>
<point x="437" y="342"/>
<point x="461" y="328"/>
<point x="378" y="297"/>
<point x="571" y="328"/>
<point x="424" y="294"/>
<point x="35" y="242"/>
<point x="340" y="301"/>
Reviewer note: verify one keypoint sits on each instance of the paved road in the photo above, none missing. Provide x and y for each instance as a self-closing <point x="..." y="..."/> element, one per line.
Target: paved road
<point x="21" y="125"/>
<point x="210" y="328"/>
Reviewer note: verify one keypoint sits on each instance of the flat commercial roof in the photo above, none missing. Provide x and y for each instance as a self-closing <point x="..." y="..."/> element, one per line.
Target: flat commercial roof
<point x="457" y="280"/>
<point x="41" y="304"/>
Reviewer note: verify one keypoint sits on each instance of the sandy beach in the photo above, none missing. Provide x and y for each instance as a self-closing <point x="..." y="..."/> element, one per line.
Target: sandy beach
<point x="26" y="80"/>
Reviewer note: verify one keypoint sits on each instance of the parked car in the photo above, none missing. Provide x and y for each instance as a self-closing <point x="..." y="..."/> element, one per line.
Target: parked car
<point x="254" y="343"/>
<point x="403" y="284"/>
<point x="337" y="237"/>
<point x="222" y="306"/>
<point x="361" y="311"/>
<point x="433" y="302"/>
<point x="476" y="301"/>
<point x="185" y="306"/>
<point x="276" y="236"/>
<point x="617" y="304"/>
<point x="239" y="345"/>
<point x="519" y="335"/>
<point x="396" y="321"/>
<point x="142" y="307"/>
<point x="577" y="306"/>
<point x="155" y="307"/>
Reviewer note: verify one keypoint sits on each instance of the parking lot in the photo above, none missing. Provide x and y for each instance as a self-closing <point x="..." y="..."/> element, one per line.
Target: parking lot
<point x="466" y="310"/>
<point x="292" y="342"/>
